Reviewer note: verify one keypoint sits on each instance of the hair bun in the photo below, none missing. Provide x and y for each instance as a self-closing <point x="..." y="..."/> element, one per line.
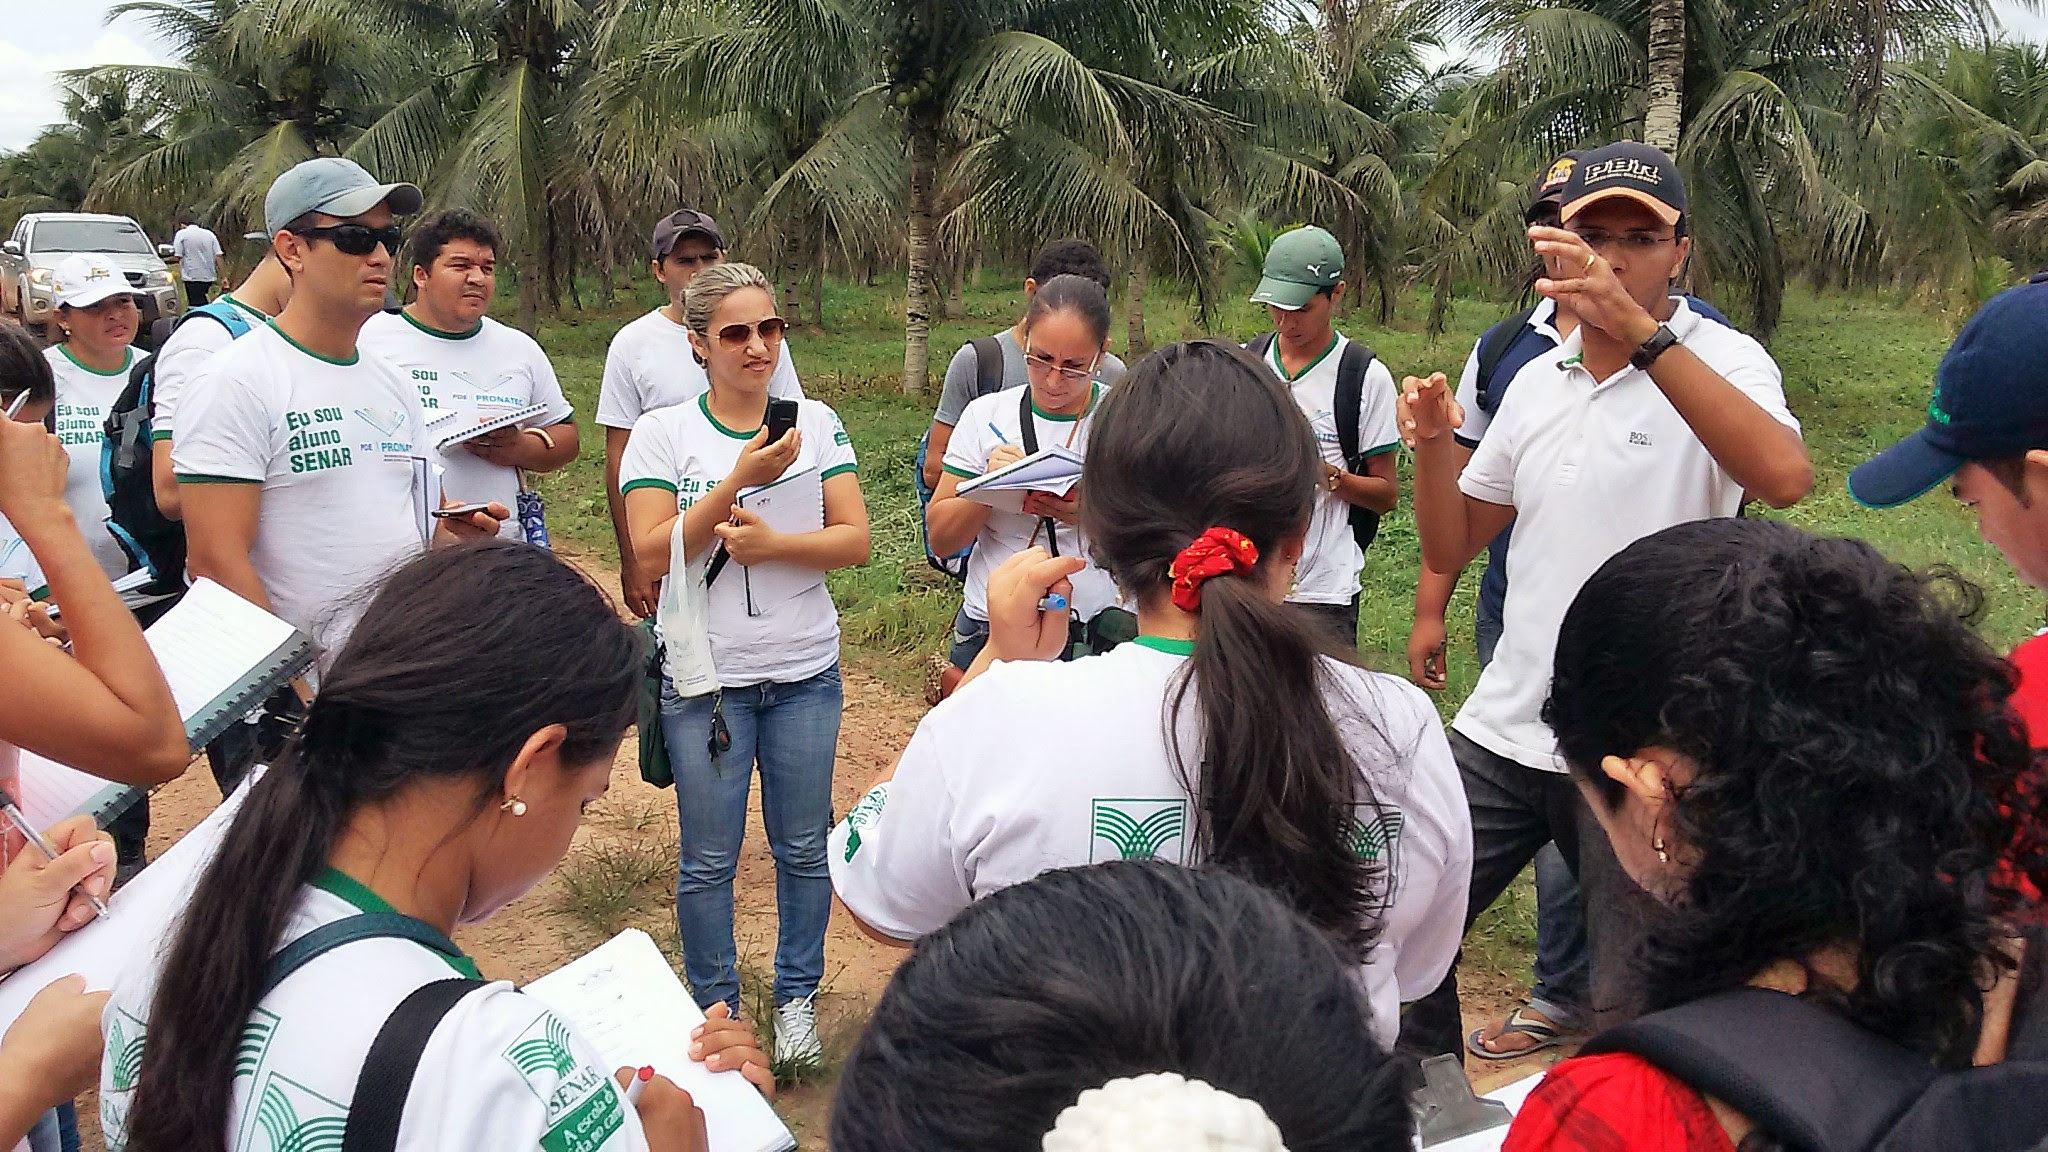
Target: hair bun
<point x="1162" y="1112"/>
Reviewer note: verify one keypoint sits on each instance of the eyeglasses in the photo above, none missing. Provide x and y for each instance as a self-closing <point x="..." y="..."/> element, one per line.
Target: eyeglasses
<point x="740" y="335"/>
<point x="356" y="239"/>
<point x="1639" y="243"/>
<point x="1040" y="362"/>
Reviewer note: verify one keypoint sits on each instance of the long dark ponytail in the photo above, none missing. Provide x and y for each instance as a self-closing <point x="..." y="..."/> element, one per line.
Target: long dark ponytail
<point x="463" y="654"/>
<point x="1199" y="436"/>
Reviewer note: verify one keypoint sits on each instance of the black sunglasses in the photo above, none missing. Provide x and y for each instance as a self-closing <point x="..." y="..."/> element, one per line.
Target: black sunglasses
<point x="356" y="239"/>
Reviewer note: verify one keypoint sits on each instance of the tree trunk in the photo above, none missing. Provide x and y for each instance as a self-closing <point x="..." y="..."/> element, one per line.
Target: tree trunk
<point x="917" y="298"/>
<point x="792" y="291"/>
<point x="532" y="286"/>
<point x="818" y="281"/>
<point x="1134" y="310"/>
<point x="956" y="291"/>
<point x="1663" y="119"/>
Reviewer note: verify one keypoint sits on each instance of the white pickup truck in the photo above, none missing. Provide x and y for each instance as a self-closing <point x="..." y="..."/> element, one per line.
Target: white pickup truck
<point x="41" y="240"/>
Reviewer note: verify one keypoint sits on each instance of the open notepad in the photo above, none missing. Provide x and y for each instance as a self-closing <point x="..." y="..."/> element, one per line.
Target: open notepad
<point x="450" y="431"/>
<point x="222" y="656"/>
<point x="139" y="917"/>
<point x="624" y="998"/>
<point x="1054" y="470"/>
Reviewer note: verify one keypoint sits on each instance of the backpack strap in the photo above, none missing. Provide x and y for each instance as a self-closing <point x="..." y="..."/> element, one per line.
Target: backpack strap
<point x="1803" y="1074"/>
<point x="367" y="926"/>
<point x="378" y="1104"/>
<point x="1261" y="345"/>
<point x="988" y="365"/>
<point x="1349" y="400"/>
<point x="1493" y="346"/>
<point x="1028" y="429"/>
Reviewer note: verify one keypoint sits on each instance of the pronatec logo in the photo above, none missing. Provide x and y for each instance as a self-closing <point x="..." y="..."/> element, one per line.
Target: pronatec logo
<point x="864" y="815"/>
<point x="1622" y="168"/>
<point x="1138" y="829"/>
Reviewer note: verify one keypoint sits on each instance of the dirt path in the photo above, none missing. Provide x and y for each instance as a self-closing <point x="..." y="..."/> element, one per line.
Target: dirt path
<point x="620" y="872"/>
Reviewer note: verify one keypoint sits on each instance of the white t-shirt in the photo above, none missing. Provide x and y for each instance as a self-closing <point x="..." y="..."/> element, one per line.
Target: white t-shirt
<point x="684" y="450"/>
<point x="333" y="445"/>
<point x="1035" y="766"/>
<point x="466" y="379"/>
<point x="650" y="365"/>
<point x="500" y="1071"/>
<point x="1330" y="556"/>
<point x="83" y="398"/>
<point x="987" y="423"/>
<point x="198" y="251"/>
<point x="17" y="562"/>
<point x="191" y="345"/>
<point x="1590" y="467"/>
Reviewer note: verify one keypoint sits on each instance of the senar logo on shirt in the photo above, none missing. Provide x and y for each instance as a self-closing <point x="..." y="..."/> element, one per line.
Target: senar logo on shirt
<point x="1138" y="829"/>
<point x="583" y="1106"/>
<point x="864" y="815"/>
<point x="293" y="1118"/>
<point x="1377" y="839"/>
<point x="315" y="443"/>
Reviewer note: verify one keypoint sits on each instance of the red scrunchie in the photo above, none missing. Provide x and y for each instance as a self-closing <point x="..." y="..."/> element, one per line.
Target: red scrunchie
<point x="1217" y="552"/>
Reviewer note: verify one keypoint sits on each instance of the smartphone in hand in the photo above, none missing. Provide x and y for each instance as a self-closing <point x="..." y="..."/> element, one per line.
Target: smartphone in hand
<point x="781" y="418"/>
<point x="459" y="511"/>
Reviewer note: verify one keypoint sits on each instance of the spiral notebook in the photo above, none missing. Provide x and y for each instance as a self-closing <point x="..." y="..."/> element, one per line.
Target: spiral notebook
<point x="447" y="438"/>
<point x="222" y="655"/>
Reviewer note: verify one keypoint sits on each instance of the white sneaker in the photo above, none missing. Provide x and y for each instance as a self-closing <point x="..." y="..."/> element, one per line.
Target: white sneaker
<point x="796" y="1032"/>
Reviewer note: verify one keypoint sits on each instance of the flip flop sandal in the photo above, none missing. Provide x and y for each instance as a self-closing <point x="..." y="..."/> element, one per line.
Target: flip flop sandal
<point x="1517" y="1023"/>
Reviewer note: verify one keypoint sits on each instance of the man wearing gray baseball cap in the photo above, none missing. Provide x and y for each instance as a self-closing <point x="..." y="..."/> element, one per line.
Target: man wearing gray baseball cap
<point x="298" y="459"/>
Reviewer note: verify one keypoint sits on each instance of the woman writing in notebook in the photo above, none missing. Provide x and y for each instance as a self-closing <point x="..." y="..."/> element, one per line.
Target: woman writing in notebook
<point x="1066" y="334"/>
<point x="439" y="774"/>
<point x="773" y="697"/>
<point x="103" y="708"/>
<point x="1226" y="733"/>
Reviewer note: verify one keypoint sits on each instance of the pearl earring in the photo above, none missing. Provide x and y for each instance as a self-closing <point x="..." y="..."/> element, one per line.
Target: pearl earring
<point x="1657" y="846"/>
<point x="515" y="806"/>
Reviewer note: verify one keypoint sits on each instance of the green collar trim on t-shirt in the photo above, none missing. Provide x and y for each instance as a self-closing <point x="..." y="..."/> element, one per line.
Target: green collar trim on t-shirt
<point x="352" y="359"/>
<point x="1281" y="369"/>
<point x="704" y="402"/>
<point x="1094" y="394"/>
<point x="1165" y="644"/>
<point x="437" y="333"/>
<point x="229" y="298"/>
<point x="127" y="359"/>
<point x="335" y="882"/>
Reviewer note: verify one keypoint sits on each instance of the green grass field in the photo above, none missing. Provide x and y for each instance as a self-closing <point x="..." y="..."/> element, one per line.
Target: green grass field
<point x="1857" y="374"/>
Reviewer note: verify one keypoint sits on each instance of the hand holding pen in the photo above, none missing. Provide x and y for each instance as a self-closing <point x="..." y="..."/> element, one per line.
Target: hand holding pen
<point x="55" y="886"/>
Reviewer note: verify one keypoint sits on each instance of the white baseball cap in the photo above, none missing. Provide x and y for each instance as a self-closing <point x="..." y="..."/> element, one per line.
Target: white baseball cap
<point x="86" y="278"/>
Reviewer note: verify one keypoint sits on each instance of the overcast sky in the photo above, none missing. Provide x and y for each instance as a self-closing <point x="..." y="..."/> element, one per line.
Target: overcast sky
<point x="65" y="34"/>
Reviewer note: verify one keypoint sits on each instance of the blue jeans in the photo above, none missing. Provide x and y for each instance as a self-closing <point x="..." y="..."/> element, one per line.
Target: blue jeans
<point x="791" y="731"/>
<point x="970" y="636"/>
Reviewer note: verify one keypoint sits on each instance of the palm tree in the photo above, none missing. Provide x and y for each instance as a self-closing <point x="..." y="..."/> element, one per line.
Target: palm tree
<point x="263" y="85"/>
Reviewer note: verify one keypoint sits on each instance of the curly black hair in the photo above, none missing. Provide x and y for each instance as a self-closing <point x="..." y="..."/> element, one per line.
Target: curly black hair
<point x="1861" y="779"/>
<point x="1002" y="1018"/>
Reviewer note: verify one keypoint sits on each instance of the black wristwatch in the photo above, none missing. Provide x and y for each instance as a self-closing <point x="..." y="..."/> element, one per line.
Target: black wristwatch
<point x="1659" y="343"/>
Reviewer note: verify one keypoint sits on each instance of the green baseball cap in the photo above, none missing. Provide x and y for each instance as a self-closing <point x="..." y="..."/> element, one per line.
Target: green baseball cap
<point x="1300" y="264"/>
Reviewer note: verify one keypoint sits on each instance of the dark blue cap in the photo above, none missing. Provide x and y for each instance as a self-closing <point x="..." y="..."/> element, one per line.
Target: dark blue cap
<point x="1990" y="401"/>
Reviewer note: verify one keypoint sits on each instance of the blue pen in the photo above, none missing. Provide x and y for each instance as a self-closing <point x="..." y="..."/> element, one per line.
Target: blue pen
<point x="1053" y="602"/>
<point x="998" y="431"/>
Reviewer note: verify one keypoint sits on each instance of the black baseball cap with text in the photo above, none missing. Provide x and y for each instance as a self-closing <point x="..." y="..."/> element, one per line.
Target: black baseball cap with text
<point x="685" y="222"/>
<point x="1627" y="170"/>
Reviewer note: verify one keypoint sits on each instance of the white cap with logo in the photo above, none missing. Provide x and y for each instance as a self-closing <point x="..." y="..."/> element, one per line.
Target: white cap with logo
<point x="84" y="279"/>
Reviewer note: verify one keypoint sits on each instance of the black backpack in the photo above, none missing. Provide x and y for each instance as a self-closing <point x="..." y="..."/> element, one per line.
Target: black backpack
<point x="1818" y="1083"/>
<point x="1350" y="397"/>
<point x="127" y="474"/>
<point x="1493" y="348"/>
<point x="988" y="378"/>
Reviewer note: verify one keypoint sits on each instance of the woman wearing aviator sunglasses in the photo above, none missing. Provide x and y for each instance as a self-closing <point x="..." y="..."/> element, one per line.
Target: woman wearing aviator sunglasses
<point x="1066" y="334"/>
<point x="774" y="695"/>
